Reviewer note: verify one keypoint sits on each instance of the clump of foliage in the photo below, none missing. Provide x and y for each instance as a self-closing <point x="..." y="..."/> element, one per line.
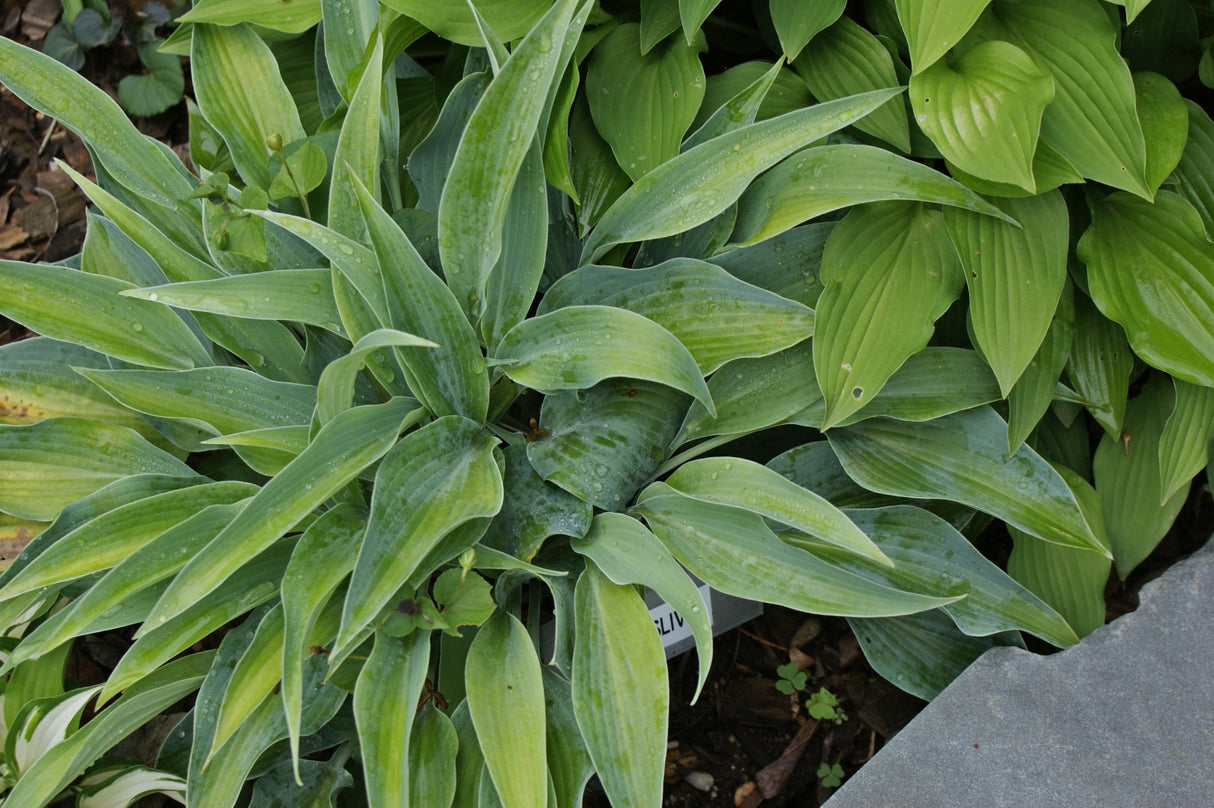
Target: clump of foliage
<point x="474" y="320"/>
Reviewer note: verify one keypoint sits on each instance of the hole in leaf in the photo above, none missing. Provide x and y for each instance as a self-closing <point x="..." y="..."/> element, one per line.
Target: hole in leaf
<point x="857" y="393"/>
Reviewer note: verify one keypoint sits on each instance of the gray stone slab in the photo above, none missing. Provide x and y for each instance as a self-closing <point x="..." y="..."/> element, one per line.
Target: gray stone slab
<point x="1124" y="718"/>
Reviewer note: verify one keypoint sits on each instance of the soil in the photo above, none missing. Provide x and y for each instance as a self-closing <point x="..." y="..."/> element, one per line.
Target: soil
<point x="744" y="743"/>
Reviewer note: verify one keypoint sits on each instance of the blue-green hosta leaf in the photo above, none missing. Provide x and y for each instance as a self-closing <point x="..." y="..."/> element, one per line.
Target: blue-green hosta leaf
<point x="50" y="300"/>
<point x="318" y="784"/>
<point x="356" y="161"/>
<point x="433" y="481"/>
<point x="494" y="144"/>
<point x="1092" y="120"/>
<point x="240" y="91"/>
<point x="643" y="104"/>
<point x="109" y="251"/>
<point x="335" y="390"/>
<point x="602" y="444"/>
<point x="932" y="26"/>
<point x="736" y="112"/>
<point x="469" y="762"/>
<point x="700" y="183"/>
<point x="963" y="458"/>
<point x="716" y="316"/>
<point x="579" y="346"/>
<point x="1127" y="477"/>
<point x="751" y="487"/>
<point x="1070" y="579"/>
<point x="920" y="653"/>
<point x="1015" y="277"/>
<point x="625" y="552"/>
<point x="290" y="18"/>
<point x="889" y="263"/>
<point x="1165" y="124"/>
<point x="621" y="696"/>
<point x="931" y="557"/>
<point x="727" y="89"/>
<point x="984" y="111"/>
<point x="735" y="552"/>
<point x="430" y="161"/>
<point x="1151" y="270"/>
<point x="798" y="21"/>
<point x="1100" y="365"/>
<point x="1195" y="172"/>
<point x="341" y="450"/>
<point x="385" y="703"/>
<point x="255" y="673"/>
<point x="432" y="749"/>
<point x="532" y="508"/>
<point x="597" y="178"/>
<point x="825" y="178"/>
<point x="349" y="25"/>
<point x="555" y="152"/>
<point x="506" y="699"/>
<point x="569" y="763"/>
<point x="1030" y="397"/>
<point x="787" y="264"/>
<point x="847" y="59"/>
<point x="50" y="464"/>
<point x="1182" y="446"/>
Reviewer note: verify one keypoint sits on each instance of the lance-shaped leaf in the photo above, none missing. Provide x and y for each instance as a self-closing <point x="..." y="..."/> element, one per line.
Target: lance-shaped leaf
<point x="932" y="27"/>
<point x="299" y="295"/>
<point x="290" y="18"/>
<point x="825" y="178"/>
<point x="931" y="557"/>
<point x="643" y="103"/>
<point x="700" y="183"/>
<point x="692" y="14"/>
<point x="49" y="299"/>
<point x="47" y="465"/>
<point x="432" y="749"/>
<point x="848" y="59"/>
<point x="569" y="763"/>
<point x="335" y="389"/>
<point x="1165" y="124"/>
<point x="1182" y="446"/>
<point x="796" y="21"/>
<point x="1151" y="269"/>
<point x="984" y="111"/>
<point x="349" y="26"/>
<point x="1100" y="365"/>
<point x="1071" y="580"/>
<point x="751" y="487"/>
<point x="433" y="481"/>
<point x="385" y="702"/>
<point x="963" y="457"/>
<point x="735" y="552"/>
<point x="889" y="263"/>
<point x="626" y="553"/>
<point x="1092" y="120"/>
<point x="507" y="19"/>
<point x="1030" y="397"/>
<point x="620" y="691"/>
<point x="579" y="346"/>
<point x="716" y="316"/>
<point x="339" y="452"/>
<point x="1015" y="277"/>
<point x="491" y="151"/>
<point x="1126" y="474"/>
<point x="506" y="700"/>
<point x="357" y="158"/>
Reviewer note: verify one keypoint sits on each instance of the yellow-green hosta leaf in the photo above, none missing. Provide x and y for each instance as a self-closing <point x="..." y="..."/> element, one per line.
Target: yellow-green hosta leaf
<point x="889" y="263"/>
<point x="37" y="381"/>
<point x="1030" y="397"/>
<point x="89" y="310"/>
<point x="432" y="749"/>
<point x="847" y="59"/>
<point x="620" y="690"/>
<point x="963" y="458"/>
<point x="432" y="482"/>
<point x="569" y="763"/>
<point x="1132" y="8"/>
<point x="692" y="14"/>
<point x="335" y="390"/>
<point x="1015" y="277"/>
<point x="1050" y="170"/>
<point x="507" y="19"/>
<point x="798" y="21"/>
<point x="356" y="161"/>
<point x="256" y="673"/>
<point x="1151" y="270"/>
<point x="579" y="346"/>
<point x="1070" y="579"/>
<point x="240" y="91"/>
<point x="702" y="182"/>
<point x="825" y="178"/>
<point x="983" y="111"/>
<point x="1182" y="446"/>
<point x="1165" y="124"/>
<point x="751" y="487"/>
<point x="349" y="27"/>
<point x="1195" y="172"/>
<point x="50" y="464"/>
<point x="934" y="26"/>
<point x="294" y="17"/>
<point x="506" y="699"/>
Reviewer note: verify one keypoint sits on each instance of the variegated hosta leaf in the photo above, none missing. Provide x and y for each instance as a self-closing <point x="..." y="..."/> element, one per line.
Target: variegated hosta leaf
<point x="434" y="480"/>
<point x="385" y="702"/>
<point x="1151" y="270"/>
<point x="717" y="317"/>
<point x="984" y="111"/>
<point x="643" y="104"/>
<point x="123" y="784"/>
<point x="620" y="690"/>
<point x="734" y="551"/>
<point x="47" y="465"/>
<point x="43" y="723"/>
<point x="579" y="346"/>
<point x="700" y="183"/>
<point x="625" y="552"/>
<point x="888" y="263"/>
<point x="1015" y="276"/>
<point x="932" y="26"/>
<point x="963" y="458"/>
<point x="1070" y="579"/>
<point x="798" y="21"/>
<point x="506" y="699"/>
<point x="1127" y="477"/>
<point x="1182" y="446"/>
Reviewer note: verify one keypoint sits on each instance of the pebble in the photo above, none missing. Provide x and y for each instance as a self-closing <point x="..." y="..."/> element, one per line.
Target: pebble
<point x="699" y="780"/>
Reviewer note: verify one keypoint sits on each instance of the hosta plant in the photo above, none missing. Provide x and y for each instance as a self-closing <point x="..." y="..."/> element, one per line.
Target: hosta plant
<point x="469" y="322"/>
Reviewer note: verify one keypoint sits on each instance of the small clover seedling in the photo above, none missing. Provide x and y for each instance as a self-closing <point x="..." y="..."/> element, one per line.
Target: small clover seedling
<point x="792" y="679"/>
<point x="824" y="706"/>
<point x="831" y="775"/>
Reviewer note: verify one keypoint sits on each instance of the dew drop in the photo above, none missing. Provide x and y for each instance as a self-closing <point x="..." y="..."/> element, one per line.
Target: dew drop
<point x="314" y="288"/>
<point x="137" y="326"/>
<point x="153" y="296"/>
